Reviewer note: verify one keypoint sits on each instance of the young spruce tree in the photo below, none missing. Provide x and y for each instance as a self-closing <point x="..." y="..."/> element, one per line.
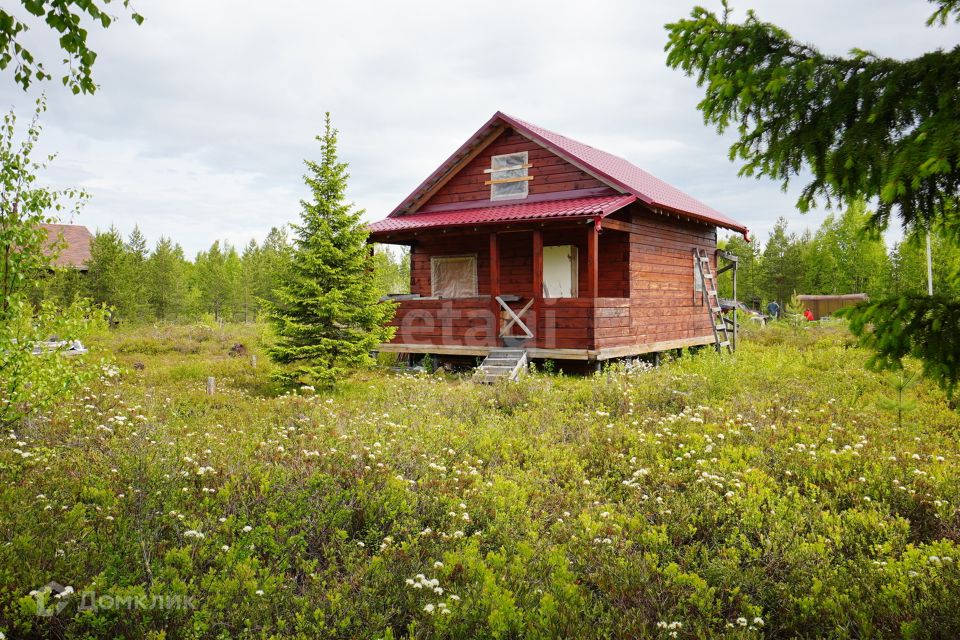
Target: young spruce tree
<point x="327" y="316"/>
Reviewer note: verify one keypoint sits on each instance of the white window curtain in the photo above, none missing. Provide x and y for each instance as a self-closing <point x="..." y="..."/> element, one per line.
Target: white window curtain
<point x="453" y="276"/>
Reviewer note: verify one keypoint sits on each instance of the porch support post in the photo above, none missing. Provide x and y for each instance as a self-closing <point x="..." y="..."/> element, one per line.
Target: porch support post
<point x="494" y="266"/>
<point x="495" y="285"/>
<point x="537" y="263"/>
<point x="537" y="281"/>
<point x="592" y="258"/>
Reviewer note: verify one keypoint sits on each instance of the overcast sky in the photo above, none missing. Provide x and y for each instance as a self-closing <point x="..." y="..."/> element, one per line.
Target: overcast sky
<point x="206" y="111"/>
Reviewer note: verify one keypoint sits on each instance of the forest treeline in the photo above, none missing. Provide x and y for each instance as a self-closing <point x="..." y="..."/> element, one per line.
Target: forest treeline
<point x="839" y="257"/>
<point x="143" y="284"/>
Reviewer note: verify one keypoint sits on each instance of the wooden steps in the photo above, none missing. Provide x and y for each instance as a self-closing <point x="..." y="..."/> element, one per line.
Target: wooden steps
<point x="503" y="363"/>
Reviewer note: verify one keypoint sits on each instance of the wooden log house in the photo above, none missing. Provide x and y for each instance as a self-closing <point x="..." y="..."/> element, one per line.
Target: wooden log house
<point x="525" y="237"/>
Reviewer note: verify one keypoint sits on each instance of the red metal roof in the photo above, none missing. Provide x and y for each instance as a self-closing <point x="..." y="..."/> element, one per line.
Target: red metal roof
<point x="75" y="252"/>
<point x="628" y="176"/>
<point x="511" y="212"/>
<point x="613" y="170"/>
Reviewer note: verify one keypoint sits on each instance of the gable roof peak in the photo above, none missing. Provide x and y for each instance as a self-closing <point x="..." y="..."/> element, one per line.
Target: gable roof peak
<point x="610" y="169"/>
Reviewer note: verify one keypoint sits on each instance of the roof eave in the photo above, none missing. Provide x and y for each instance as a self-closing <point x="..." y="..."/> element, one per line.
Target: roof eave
<point x="378" y="236"/>
<point x="612" y="207"/>
<point x="732" y="227"/>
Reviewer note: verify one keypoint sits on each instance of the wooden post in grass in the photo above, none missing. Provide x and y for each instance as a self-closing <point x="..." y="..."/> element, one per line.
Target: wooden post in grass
<point x="253" y="361"/>
<point x="211" y="385"/>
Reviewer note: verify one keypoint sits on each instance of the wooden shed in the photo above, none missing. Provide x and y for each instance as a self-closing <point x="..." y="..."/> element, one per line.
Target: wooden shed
<point x="526" y="238"/>
<point x="827" y="305"/>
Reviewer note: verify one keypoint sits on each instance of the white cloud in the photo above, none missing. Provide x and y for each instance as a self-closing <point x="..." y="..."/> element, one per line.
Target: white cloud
<point x="206" y="112"/>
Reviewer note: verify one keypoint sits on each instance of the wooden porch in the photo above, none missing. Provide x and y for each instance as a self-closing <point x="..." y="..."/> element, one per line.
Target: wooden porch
<point x="469" y="327"/>
<point x="509" y="308"/>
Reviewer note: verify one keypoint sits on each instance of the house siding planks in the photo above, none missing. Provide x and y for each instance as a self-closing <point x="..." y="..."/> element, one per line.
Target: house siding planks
<point x="460" y="322"/>
<point x="663" y="305"/>
<point x="550" y="172"/>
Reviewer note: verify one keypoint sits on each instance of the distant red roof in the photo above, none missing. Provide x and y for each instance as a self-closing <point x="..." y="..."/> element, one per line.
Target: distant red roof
<point x="613" y="170"/>
<point x="511" y="212"/>
<point x="77" y="239"/>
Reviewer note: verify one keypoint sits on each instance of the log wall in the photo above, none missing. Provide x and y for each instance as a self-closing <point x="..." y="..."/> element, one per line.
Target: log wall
<point x="663" y="306"/>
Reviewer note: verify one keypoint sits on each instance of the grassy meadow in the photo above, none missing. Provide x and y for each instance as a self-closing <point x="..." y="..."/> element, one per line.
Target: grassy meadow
<point x="784" y="492"/>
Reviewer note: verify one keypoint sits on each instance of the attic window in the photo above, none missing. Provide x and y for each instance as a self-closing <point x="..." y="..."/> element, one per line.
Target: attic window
<point x="508" y="176"/>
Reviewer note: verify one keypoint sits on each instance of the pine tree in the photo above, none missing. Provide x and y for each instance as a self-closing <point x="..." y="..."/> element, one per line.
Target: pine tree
<point x="782" y="264"/>
<point x="135" y="273"/>
<point x="165" y="279"/>
<point x="111" y="279"/>
<point x="137" y="244"/>
<point x="328" y="316"/>
<point x="216" y="278"/>
<point x="276" y="256"/>
<point x="251" y="270"/>
<point x="823" y="273"/>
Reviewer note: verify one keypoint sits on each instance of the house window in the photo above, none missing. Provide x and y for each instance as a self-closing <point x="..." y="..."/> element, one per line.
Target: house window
<point x="697" y="275"/>
<point x="453" y="276"/>
<point x="508" y="176"/>
<point x="560" y="271"/>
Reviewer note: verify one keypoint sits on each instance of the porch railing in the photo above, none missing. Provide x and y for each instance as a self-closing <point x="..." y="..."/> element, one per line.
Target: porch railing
<point x="514" y="316"/>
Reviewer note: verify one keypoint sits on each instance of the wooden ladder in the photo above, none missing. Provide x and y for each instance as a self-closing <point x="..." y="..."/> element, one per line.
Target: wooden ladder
<point x="721" y="334"/>
<point x="504" y="362"/>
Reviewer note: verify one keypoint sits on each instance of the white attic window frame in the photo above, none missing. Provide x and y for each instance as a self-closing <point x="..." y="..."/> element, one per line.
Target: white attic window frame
<point x="509" y="177"/>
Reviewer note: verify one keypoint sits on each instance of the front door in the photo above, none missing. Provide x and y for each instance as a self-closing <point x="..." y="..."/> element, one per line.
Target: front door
<point x="560" y="271"/>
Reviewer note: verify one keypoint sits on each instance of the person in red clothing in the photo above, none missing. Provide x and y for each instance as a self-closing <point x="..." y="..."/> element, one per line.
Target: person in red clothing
<point x="808" y="314"/>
